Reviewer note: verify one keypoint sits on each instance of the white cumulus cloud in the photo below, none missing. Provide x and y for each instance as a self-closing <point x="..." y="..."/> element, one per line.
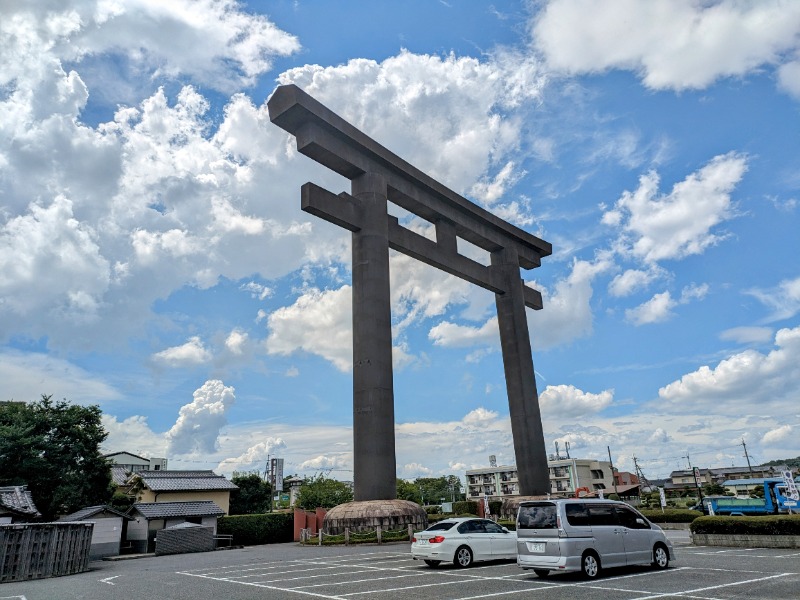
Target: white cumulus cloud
<point x="199" y="422"/>
<point x="679" y="224"/>
<point x="568" y="401"/>
<point x="671" y="44"/>
<point x="193" y="352"/>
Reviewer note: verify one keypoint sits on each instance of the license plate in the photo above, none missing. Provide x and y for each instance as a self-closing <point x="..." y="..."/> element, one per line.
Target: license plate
<point x="536" y="546"/>
<point x="422" y="542"/>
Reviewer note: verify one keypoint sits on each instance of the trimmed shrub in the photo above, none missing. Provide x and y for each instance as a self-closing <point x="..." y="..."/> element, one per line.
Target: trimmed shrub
<point x="760" y="525"/>
<point x="433" y="509"/>
<point x="495" y="506"/>
<point x="251" y="530"/>
<point x="671" y="515"/>
<point x="510" y="525"/>
<point x="465" y="507"/>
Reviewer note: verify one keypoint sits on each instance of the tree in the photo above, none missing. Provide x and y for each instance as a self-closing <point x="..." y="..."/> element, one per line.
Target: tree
<point x="54" y="449"/>
<point x="319" y="492"/>
<point x="253" y="496"/>
<point x="714" y="489"/>
<point x="408" y="491"/>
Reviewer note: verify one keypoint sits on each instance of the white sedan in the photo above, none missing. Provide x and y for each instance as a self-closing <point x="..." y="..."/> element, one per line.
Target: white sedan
<point x="462" y="541"/>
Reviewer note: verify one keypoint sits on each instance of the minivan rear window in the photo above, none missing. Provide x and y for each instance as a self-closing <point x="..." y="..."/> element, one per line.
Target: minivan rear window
<point x="537" y="516"/>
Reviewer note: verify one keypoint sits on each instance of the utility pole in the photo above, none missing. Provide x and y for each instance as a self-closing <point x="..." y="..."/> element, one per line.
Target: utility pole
<point x="613" y="477"/>
<point x="747" y="456"/>
<point x="640" y="474"/>
<point x="696" y="481"/>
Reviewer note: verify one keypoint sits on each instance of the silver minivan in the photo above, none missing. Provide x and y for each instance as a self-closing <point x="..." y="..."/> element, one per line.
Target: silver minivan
<point x="587" y="535"/>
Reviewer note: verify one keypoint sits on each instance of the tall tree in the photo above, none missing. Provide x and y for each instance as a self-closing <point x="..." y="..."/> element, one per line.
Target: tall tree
<point x="319" y="492"/>
<point x="252" y="497"/>
<point x="54" y="449"/>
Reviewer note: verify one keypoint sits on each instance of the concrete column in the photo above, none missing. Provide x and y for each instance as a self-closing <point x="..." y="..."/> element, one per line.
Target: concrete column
<point x="523" y="400"/>
<point x="374" y="470"/>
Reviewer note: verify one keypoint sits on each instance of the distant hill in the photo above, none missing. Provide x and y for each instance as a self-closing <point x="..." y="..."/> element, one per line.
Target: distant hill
<point x="793" y="463"/>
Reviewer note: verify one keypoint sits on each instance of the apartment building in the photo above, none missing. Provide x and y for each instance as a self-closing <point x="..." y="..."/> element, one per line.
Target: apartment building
<point x="568" y="476"/>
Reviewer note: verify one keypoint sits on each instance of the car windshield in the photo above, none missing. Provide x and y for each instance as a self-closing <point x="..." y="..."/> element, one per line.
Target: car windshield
<point x="441" y="526"/>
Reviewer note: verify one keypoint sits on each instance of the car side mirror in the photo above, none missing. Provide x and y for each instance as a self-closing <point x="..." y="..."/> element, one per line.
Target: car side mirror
<point x="505" y="530"/>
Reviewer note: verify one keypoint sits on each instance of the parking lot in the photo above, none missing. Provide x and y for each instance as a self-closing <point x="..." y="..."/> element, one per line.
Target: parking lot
<point x="388" y="572"/>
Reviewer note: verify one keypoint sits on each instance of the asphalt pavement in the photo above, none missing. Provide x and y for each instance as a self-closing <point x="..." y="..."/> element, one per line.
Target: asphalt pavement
<point x="387" y="572"/>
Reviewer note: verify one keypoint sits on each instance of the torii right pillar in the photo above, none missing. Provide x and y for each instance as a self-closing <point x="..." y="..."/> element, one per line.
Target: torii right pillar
<point x="523" y="400"/>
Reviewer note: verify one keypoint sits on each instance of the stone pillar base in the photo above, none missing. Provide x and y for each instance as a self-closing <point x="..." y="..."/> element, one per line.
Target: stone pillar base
<point x="367" y="515"/>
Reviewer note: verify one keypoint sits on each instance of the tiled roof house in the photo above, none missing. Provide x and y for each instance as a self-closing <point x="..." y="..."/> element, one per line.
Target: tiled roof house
<point x="16" y="505"/>
<point x="184" y="486"/>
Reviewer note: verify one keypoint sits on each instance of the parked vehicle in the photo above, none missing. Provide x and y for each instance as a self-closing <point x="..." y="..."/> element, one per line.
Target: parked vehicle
<point x="462" y="541"/>
<point x="774" y="502"/>
<point x="587" y="535"/>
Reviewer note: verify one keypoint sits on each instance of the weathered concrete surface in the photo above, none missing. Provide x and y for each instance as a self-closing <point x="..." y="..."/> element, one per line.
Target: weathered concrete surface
<point x="746" y="541"/>
<point x="368" y="515"/>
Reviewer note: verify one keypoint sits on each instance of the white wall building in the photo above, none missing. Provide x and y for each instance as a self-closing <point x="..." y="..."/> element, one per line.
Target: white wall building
<point x="567" y="476"/>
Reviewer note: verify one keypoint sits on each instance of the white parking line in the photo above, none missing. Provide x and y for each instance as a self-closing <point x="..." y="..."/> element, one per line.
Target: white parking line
<point x="269" y="587"/>
<point x="712" y="587"/>
<point x="299" y="587"/>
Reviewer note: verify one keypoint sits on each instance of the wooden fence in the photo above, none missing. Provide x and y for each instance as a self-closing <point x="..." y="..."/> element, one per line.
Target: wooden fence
<point x="38" y="550"/>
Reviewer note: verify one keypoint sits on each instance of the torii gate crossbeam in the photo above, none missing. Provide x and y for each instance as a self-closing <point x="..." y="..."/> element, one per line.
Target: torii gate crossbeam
<point x="378" y="176"/>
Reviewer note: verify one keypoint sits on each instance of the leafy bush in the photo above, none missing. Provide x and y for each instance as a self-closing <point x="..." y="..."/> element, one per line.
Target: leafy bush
<point x="510" y="525"/>
<point x="465" y="507"/>
<point x="433" y="510"/>
<point x="760" y="525"/>
<point x="495" y="506"/>
<point x="671" y="515"/>
<point x="250" y="530"/>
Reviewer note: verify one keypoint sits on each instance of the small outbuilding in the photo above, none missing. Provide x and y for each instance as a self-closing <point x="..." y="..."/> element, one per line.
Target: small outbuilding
<point x="110" y="529"/>
<point x="151" y="517"/>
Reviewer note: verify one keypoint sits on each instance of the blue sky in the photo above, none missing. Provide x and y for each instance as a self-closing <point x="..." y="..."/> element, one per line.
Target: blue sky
<point x="154" y="259"/>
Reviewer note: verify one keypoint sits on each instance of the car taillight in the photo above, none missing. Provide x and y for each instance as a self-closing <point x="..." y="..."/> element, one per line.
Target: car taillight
<point x="413" y="540"/>
<point x="436" y="539"/>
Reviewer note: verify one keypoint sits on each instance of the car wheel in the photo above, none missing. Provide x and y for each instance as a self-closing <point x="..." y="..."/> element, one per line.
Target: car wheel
<point x="463" y="557"/>
<point x="542" y="572"/>
<point x="432" y="563"/>
<point x="660" y="556"/>
<point x="590" y="565"/>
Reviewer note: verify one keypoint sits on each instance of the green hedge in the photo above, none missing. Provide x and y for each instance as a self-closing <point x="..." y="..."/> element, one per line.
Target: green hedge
<point x="464" y="507"/>
<point x="671" y="515"/>
<point x="495" y="506"/>
<point x="510" y="525"/>
<point x="760" y="525"/>
<point x="251" y="530"/>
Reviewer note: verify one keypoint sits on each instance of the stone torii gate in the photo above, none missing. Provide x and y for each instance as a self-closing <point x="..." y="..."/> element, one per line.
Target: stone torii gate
<point x="377" y="176"/>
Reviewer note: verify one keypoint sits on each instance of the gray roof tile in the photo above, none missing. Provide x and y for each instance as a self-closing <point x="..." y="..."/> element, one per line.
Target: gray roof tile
<point x="165" y="510"/>
<point x="17" y="499"/>
<point x="173" y="481"/>
<point x="92" y="511"/>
